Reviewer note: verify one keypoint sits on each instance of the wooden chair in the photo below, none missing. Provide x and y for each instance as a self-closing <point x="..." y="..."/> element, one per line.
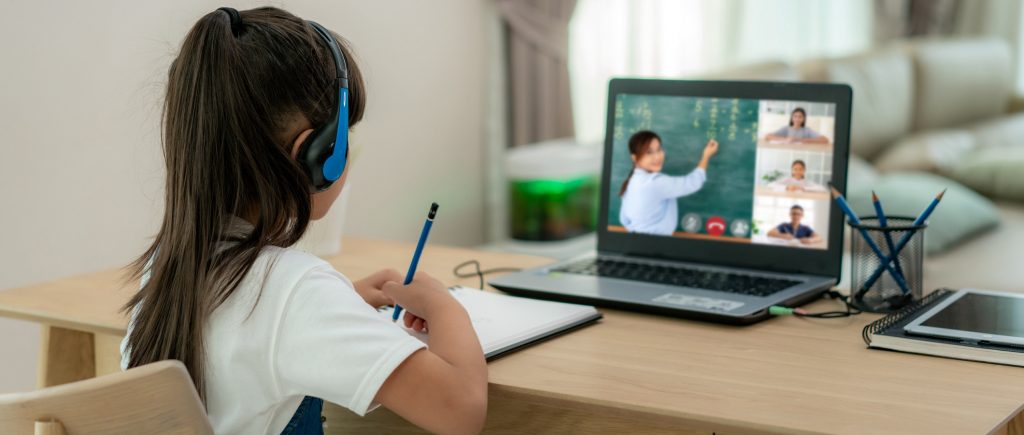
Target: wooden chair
<point x="154" y="398"/>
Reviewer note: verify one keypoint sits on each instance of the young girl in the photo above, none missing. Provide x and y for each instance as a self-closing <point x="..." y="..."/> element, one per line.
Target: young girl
<point x="797" y="131"/>
<point x="648" y="196"/>
<point x="797" y="181"/>
<point x="266" y="331"/>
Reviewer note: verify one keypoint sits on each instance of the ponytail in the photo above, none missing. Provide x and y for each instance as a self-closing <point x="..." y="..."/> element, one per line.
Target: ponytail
<point x="625" y="184"/>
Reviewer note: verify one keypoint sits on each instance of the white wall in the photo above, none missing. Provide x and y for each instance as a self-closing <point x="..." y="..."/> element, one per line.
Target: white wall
<point x="80" y="169"/>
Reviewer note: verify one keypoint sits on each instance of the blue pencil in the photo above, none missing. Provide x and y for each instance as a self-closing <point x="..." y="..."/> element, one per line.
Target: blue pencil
<point x="416" y="255"/>
<point x="883" y="222"/>
<point x="871" y="243"/>
<point x="906" y="237"/>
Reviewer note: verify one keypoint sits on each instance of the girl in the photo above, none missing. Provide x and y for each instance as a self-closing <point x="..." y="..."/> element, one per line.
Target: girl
<point x="796" y="182"/>
<point x="797" y="130"/>
<point x="267" y="331"/>
<point x="648" y="196"/>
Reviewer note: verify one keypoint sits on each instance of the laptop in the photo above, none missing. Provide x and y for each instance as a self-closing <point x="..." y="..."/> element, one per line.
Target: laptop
<point x="721" y="238"/>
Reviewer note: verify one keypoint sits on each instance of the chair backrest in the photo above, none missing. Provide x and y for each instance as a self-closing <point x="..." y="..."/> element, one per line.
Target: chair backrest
<point x="154" y="398"/>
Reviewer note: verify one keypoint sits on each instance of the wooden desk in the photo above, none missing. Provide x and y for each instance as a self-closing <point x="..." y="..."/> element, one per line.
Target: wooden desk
<point x="629" y="373"/>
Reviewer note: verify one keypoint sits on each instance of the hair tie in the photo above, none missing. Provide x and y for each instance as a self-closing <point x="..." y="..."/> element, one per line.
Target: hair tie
<point x="236" y="19"/>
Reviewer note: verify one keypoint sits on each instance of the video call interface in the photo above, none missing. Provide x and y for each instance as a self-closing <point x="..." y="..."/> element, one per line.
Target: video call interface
<point x="723" y="169"/>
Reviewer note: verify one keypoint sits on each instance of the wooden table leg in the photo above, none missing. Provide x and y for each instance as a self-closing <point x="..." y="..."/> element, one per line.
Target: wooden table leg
<point x="65" y="356"/>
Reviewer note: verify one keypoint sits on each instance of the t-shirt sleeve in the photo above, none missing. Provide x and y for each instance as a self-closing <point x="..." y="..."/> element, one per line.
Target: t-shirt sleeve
<point x="784" y="132"/>
<point x="668" y="186"/>
<point x="332" y="345"/>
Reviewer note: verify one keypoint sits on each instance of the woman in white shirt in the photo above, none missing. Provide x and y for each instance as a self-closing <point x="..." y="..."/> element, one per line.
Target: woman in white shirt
<point x="648" y="196"/>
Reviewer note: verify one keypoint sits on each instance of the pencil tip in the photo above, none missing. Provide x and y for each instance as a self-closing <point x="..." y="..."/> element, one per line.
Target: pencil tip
<point x="835" y="193"/>
<point x="941" y="194"/>
<point x="874" y="197"/>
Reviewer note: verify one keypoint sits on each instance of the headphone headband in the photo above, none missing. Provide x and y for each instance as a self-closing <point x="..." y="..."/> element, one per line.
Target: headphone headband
<point x="325" y="152"/>
<point x="340" y="64"/>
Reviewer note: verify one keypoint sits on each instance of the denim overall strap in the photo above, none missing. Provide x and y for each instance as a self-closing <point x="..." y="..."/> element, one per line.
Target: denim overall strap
<point x="306" y="420"/>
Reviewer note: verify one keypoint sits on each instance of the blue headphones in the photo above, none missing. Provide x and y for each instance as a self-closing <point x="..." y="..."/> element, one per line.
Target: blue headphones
<point x="323" y="154"/>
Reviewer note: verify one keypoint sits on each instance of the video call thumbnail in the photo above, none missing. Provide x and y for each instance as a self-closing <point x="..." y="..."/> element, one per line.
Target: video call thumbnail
<point x="737" y="170"/>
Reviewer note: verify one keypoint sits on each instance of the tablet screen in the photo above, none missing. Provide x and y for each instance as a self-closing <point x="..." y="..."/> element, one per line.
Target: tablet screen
<point x="983" y="314"/>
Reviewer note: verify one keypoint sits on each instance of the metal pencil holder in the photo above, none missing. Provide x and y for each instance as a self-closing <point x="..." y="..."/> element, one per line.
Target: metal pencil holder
<point x="879" y="292"/>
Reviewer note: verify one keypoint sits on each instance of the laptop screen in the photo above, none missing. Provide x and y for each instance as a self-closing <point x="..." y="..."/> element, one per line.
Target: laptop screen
<point x="729" y="170"/>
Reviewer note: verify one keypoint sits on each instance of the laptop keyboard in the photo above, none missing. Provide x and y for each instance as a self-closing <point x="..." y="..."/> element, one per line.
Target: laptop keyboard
<point x="679" y="276"/>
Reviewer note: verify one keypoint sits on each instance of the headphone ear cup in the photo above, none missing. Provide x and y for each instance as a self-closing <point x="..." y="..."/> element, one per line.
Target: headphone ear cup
<point x="312" y="155"/>
<point x="334" y="166"/>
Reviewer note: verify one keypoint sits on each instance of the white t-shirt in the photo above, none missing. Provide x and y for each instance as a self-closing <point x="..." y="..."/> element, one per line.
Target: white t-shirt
<point x="310" y="334"/>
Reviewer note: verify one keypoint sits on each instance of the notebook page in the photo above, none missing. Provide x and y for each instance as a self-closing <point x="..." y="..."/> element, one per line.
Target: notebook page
<point x="501" y="320"/>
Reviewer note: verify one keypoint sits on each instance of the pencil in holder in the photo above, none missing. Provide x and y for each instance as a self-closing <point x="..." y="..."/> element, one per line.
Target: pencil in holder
<point x="873" y="287"/>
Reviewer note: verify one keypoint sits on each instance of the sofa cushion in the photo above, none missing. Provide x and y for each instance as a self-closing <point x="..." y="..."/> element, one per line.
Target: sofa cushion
<point x="997" y="172"/>
<point x="961" y="214"/>
<point x="933" y="151"/>
<point x="961" y="81"/>
<point x="860" y="171"/>
<point x="883" y="86"/>
<point x="1000" y="132"/>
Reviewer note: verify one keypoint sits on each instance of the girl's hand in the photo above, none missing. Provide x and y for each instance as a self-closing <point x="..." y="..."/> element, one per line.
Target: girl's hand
<point x="710" y="149"/>
<point x="414" y="322"/>
<point x="370" y="287"/>
<point x="423" y="299"/>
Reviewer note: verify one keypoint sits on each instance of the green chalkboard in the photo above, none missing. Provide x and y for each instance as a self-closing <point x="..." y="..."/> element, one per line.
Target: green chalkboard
<point x="685" y="124"/>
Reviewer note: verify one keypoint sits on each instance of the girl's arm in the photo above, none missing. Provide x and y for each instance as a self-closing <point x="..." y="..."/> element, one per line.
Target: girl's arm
<point x="780" y="134"/>
<point x="817" y="138"/>
<point x="443" y="389"/>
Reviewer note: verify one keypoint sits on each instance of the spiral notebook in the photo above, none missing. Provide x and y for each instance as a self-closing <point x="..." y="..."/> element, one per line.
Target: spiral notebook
<point x="507" y="323"/>
<point x="888" y="333"/>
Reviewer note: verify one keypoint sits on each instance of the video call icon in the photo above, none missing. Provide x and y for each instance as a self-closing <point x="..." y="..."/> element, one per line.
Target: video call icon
<point x="692" y="223"/>
<point x="739" y="228"/>
<point x="715" y="226"/>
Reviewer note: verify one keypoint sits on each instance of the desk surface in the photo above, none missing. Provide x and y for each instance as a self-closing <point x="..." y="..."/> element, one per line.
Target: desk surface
<point x="782" y="375"/>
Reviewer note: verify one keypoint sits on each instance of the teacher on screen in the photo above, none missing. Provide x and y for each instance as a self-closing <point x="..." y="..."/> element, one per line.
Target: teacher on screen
<point x="648" y="196"/>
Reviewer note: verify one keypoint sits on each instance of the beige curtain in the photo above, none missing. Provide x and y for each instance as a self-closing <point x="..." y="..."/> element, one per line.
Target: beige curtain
<point x="538" y="72"/>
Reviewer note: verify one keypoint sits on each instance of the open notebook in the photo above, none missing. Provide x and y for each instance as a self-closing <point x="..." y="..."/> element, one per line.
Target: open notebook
<point x="507" y="323"/>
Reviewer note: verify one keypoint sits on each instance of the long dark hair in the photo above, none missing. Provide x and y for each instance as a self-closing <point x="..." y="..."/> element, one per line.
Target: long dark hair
<point x="638" y="144"/>
<point x="229" y="98"/>
<point x="801" y="110"/>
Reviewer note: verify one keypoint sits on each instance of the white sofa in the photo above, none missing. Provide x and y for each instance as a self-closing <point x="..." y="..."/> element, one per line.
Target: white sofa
<point x="923" y="106"/>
